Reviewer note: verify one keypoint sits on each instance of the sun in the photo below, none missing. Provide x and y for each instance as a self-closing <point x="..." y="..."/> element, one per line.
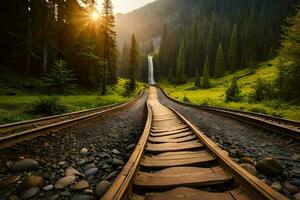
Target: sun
<point x="95" y="15"/>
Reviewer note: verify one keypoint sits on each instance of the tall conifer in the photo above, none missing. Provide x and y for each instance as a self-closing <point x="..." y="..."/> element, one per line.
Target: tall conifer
<point x="220" y="63"/>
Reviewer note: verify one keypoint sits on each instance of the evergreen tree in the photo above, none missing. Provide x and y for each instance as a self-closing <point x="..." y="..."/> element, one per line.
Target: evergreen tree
<point x="233" y="92"/>
<point x="290" y="52"/>
<point x="60" y="78"/>
<point x="205" y="79"/>
<point x="197" y="79"/>
<point x="109" y="45"/>
<point x="180" y="64"/>
<point x="250" y="57"/>
<point x="133" y="62"/>
<point x="232" y="57"/>
<point x="220" y="63"/>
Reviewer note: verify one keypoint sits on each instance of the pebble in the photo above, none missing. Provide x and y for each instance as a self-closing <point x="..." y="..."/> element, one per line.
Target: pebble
<point x="247" y="160"/>
<point x="84" y="151"/>
<point x="130" y="147"/>
<point x="82" y="197"/>
<point x="61" y="163"/>
<point x="25" y="164"/>
<point x="295" y="181"/>
<point x="297" y="196"/>
<point x="269" y="166"/>
<point x="91" y="172"/>
<point x="116" y="162"/>
<point x="116" y="151"/>
<point x="65" y="181"/>
<point x="291" y="188"/>
<point x="54" y="197"/>
<point x="88" y="191"/>
<point x="48" y="187"/>
<point x="32" y="181"/>
<point x="250" y="168"/>
<point x="102" y="188"/>
<point x="72" y="171"/>
<point x="65" y="194"/>
<point x="30" y="193"/>
<point x="111" y="175"/>
<point x="5" y="183"/>
<point x="81" y="185"/>
<point x="90" y="166"/>
<point x="276" y="186"/>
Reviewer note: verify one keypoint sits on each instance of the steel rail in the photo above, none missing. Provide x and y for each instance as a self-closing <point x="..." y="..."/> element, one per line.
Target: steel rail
<point x="13" y="138"/>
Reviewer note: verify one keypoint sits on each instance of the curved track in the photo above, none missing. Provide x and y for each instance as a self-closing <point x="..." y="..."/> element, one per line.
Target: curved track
<point x="174" y="160"/>
<point x="13" y="133"/>
<point x="283" y="126"/>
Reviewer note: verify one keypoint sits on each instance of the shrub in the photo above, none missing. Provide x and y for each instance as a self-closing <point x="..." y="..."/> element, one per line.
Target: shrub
<point x="49" y="105"/>
<point x="258" y="109"/>
<point x="262" y="91"/>
<point x="60" y="78"/>
<point x="233" y="92"/>
<point x="186" y="100"/>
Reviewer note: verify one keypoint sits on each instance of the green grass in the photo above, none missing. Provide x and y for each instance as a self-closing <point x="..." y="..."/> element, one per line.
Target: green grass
<point x="16" y="108"/>
<point x="215" y="95"/>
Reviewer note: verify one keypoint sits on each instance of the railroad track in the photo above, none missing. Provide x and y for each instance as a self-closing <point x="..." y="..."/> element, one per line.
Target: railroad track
<point x="275" y="124"/>
<point x="175" y="161"/>
<point x="13" y="133"/>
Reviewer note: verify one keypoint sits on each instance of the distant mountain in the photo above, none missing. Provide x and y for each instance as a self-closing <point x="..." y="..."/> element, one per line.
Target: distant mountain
<point x="147" y="21"/>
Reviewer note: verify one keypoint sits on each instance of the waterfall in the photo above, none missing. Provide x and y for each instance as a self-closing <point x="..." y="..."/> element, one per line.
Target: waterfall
<point x="151" y="80"/>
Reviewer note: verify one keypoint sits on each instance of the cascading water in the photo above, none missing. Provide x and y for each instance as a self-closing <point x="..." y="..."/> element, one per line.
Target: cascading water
<point x="151" y="80"/>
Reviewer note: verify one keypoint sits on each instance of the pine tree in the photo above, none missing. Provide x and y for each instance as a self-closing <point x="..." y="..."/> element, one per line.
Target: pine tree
<point x="197" y="78"/>
<point x="180" y="64"/>
<point x="233" y="92"/>
<point x="109" y="45"/>
<point x="251" y="42"/>
<point x="60" y="78"/>
<point x="232" y="57"/>
<point x="205" y="79"/>
<point x="220" y="63"/>
<point x="133" y="60"/>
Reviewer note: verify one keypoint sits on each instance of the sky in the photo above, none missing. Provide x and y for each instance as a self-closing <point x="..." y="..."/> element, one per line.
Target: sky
<point x="125" y="6"/>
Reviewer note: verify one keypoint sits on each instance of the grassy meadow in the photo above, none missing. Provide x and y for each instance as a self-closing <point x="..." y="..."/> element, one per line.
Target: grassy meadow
<point x="215" y="95"/>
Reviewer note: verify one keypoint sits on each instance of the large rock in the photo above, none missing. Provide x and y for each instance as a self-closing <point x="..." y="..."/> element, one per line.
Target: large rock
<point x="65" y="181"/>
<point x="71" y="171"/>
<point x="32" y="181"/>
<point x="250" y="168"/>
<point x="115" y="162"/>
<point x="102" y="188"/>
<point x="276" y="186"/>
<point x="32" y="192"/>
<point x="7" y="182"/>
<point x="269" y="166"/>
<point x="91" y="172"/>
<point x="25" y="164"/>
<point x="297" y="196"/>
<point x="291" y="188"/>
<point x="81" y="185"/>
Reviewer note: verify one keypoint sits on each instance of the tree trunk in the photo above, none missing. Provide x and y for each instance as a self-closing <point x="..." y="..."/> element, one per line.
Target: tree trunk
<point x="29" y="42"/>
<point x="45" y="46"/>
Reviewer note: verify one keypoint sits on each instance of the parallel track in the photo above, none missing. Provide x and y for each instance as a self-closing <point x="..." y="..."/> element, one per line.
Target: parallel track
<point x="13" y="133"/>
<point x="283" y="126"/>
<point x="174" y="160"/>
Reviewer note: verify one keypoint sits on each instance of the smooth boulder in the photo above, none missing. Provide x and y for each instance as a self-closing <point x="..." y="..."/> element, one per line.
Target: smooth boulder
<point x="270" y="167"/>
<point x="102" y="188"/>
<point x="25" y="164"/>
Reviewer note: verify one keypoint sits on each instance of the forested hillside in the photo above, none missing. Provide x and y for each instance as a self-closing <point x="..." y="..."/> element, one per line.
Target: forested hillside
<point x="233" y="34"/>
